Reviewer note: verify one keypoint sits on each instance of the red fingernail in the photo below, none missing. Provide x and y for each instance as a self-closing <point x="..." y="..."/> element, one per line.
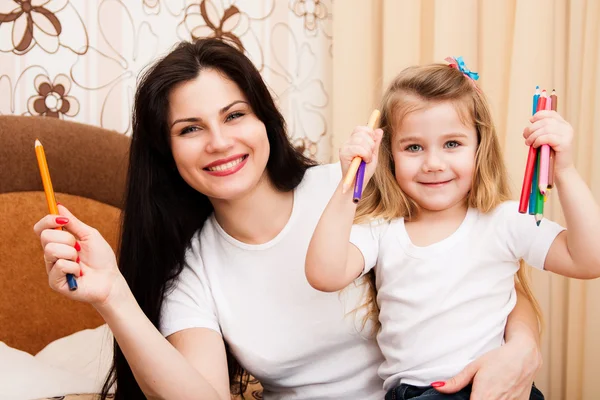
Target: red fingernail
<point x="62" y="220"/>
<point x="81" y="272"/>
<point x="437" y="384"/>
<point x="77" y="246"/>
<point x="77" y="261"/>
<point x="58" y="204"/>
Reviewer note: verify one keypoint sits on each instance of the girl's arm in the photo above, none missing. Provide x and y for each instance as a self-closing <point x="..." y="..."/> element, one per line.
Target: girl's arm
<point x="192" y="366"/>
<point x="332" y="262"/>
<point x="574" y="253"/>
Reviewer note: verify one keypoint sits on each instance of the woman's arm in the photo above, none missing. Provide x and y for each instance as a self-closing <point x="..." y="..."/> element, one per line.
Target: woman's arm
<point x="510" y="368"/>
<point x="192" y="366"/>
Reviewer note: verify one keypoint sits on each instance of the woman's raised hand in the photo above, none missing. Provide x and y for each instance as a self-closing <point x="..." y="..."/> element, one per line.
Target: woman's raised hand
<point x="80" y="250"/>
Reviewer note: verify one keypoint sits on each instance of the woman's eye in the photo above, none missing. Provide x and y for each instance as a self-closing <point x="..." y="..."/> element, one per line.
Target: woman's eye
<point x="189" y="129"/>
<point x="413" y="148"/>
<point x="452" y="144"/>
<point x="234" y="115"/>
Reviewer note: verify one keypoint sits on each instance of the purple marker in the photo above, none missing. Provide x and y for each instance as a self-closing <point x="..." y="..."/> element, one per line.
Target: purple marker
<point x="358" y="183"/>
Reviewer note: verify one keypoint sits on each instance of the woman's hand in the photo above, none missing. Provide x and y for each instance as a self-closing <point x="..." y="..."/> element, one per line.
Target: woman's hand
<point x="363" y="142"/>
<point x="505" y="373"/>
<point x="80" y="250"/>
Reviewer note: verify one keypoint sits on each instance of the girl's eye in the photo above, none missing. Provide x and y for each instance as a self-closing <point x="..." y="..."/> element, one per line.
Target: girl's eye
<point x="413" y="148"/>
<point x="189" y="129"/>
<point x="234" y="115"/>
<point x="452" y="144"/>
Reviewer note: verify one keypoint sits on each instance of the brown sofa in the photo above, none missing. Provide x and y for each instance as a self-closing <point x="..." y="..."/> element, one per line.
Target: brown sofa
<point x="88" y="168"/>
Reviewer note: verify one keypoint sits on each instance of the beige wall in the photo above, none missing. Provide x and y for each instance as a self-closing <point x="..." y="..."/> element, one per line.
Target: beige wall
<point x="514" y="45"/>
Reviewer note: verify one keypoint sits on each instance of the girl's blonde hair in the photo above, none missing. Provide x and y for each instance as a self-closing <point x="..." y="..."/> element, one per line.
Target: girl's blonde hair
<point x="417" y="88"/>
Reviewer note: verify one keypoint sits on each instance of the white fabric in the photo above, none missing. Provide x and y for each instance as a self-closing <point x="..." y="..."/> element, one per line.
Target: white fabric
<point x="299" y="342"/>
<point x="445" y="304"/>
<point x="88" y="352"/>
<point x="74" y="364"/>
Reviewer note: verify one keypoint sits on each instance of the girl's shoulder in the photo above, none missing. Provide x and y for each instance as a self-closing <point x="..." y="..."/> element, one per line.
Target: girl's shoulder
<point x="504" y="210"/>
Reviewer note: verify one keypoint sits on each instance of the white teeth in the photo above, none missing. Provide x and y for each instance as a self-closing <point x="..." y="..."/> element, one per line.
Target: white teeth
<point x="226" y="166"/>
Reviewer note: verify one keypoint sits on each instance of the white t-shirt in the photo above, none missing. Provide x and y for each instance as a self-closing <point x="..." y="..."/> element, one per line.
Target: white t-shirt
<point x="444" y="305"/>
<point x="299" y="342"/>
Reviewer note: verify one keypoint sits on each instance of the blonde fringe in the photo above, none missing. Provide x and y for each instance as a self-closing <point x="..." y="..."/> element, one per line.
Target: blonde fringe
<point x="411" y="90"/>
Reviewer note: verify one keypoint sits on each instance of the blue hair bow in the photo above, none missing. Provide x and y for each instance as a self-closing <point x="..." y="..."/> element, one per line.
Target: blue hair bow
<point x="459" y="64"/>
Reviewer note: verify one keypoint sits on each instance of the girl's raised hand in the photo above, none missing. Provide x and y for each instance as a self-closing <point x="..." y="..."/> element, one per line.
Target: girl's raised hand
<point x="548" y="127"/>
<point x="79" y="250"/>
<point x="363" y="142"/>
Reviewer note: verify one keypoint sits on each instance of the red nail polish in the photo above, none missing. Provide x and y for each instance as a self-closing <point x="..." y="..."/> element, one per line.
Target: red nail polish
<point x="62" y="220"/>
<point x="77" y="261"/>
<point x="58" y="204"/>
<point x="437" y="384"/>
<point x="77" y="246"/>
<point x="81" y="272"/>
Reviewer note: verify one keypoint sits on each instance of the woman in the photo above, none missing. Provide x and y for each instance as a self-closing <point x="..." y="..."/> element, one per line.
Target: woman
<point x="218" y="215"/>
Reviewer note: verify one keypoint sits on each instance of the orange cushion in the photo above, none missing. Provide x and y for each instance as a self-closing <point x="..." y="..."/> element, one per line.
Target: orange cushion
<point x="31" y="314"/>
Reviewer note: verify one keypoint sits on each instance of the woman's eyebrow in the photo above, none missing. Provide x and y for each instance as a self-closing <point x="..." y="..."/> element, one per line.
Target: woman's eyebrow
<point x="196" y="119"/>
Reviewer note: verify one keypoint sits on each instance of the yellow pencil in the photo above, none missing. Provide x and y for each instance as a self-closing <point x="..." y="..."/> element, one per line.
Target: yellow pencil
<point x="49" y="191"/>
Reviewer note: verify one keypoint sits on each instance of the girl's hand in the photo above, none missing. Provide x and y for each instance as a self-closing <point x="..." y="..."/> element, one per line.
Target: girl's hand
<point x="363" y="142"/>
<point x="79" y="250"/>
<point x="505" y="373"/>
<point x="548" y="127"/>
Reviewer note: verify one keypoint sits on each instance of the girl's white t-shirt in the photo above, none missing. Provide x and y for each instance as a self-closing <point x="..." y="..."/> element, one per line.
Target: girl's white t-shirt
<point x="298" y="342"/>
<point x="444" y="305"/>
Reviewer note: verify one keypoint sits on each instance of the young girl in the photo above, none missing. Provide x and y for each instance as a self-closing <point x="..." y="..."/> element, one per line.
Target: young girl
<point x="442" y="235"/>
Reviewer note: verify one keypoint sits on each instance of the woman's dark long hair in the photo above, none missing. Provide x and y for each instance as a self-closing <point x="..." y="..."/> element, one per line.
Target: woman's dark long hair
<point x="161" y="211"/>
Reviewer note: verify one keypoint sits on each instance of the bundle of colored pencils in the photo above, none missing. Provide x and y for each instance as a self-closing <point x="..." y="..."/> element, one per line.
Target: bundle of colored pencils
<point x="539" y="171"/>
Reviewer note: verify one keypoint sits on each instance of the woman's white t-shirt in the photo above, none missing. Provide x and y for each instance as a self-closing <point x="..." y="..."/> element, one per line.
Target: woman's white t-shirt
<point x="298" y="342"/>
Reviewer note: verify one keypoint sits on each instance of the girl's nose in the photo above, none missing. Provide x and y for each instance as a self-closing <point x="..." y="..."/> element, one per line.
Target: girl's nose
<point x="433" y="162"/>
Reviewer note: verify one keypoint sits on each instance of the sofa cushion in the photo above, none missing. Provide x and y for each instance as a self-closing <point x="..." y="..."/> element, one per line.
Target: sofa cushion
<point x="31" y="314"/>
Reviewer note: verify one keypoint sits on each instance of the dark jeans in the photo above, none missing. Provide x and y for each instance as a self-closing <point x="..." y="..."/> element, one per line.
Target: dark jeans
<point x="405" y="392"/>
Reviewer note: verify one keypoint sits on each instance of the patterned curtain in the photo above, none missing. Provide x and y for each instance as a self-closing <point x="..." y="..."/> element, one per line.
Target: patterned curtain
<point x="79" y="59"/>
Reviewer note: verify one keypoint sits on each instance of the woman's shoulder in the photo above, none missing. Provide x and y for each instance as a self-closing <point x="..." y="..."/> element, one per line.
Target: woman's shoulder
<point x="331" y="171"/>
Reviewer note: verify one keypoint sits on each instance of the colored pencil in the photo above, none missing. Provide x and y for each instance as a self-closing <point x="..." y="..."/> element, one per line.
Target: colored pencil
<point x="534" y="181"/>
<point x="539" y="201"/>
<point x="530" y="165"/>
<point x="554" y="107"/>
<point x="357" y="162"/>
<point x="544" y="159"/>
<point x="49" y="191"/>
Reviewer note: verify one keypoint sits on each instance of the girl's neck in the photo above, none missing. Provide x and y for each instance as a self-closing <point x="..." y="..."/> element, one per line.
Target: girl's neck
<point x="258" y="216"/>
<point x="429" y="227"/>
<point x="454" y="213"/>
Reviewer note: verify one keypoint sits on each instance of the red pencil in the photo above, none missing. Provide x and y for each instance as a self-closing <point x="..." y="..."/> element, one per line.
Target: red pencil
<point x="531" y="157"/>
<point x="526" y="188"/>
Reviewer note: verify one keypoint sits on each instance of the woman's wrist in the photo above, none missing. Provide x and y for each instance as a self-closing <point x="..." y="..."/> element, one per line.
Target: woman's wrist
<point x="118" y="299"/>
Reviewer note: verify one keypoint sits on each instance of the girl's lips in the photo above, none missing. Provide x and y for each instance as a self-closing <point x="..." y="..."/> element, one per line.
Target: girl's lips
<point x="231" y="170"/>
<point x="435" y="184"/>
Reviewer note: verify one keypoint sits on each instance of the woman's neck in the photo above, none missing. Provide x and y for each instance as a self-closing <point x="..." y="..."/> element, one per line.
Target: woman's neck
<point x="257" y="217"/>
